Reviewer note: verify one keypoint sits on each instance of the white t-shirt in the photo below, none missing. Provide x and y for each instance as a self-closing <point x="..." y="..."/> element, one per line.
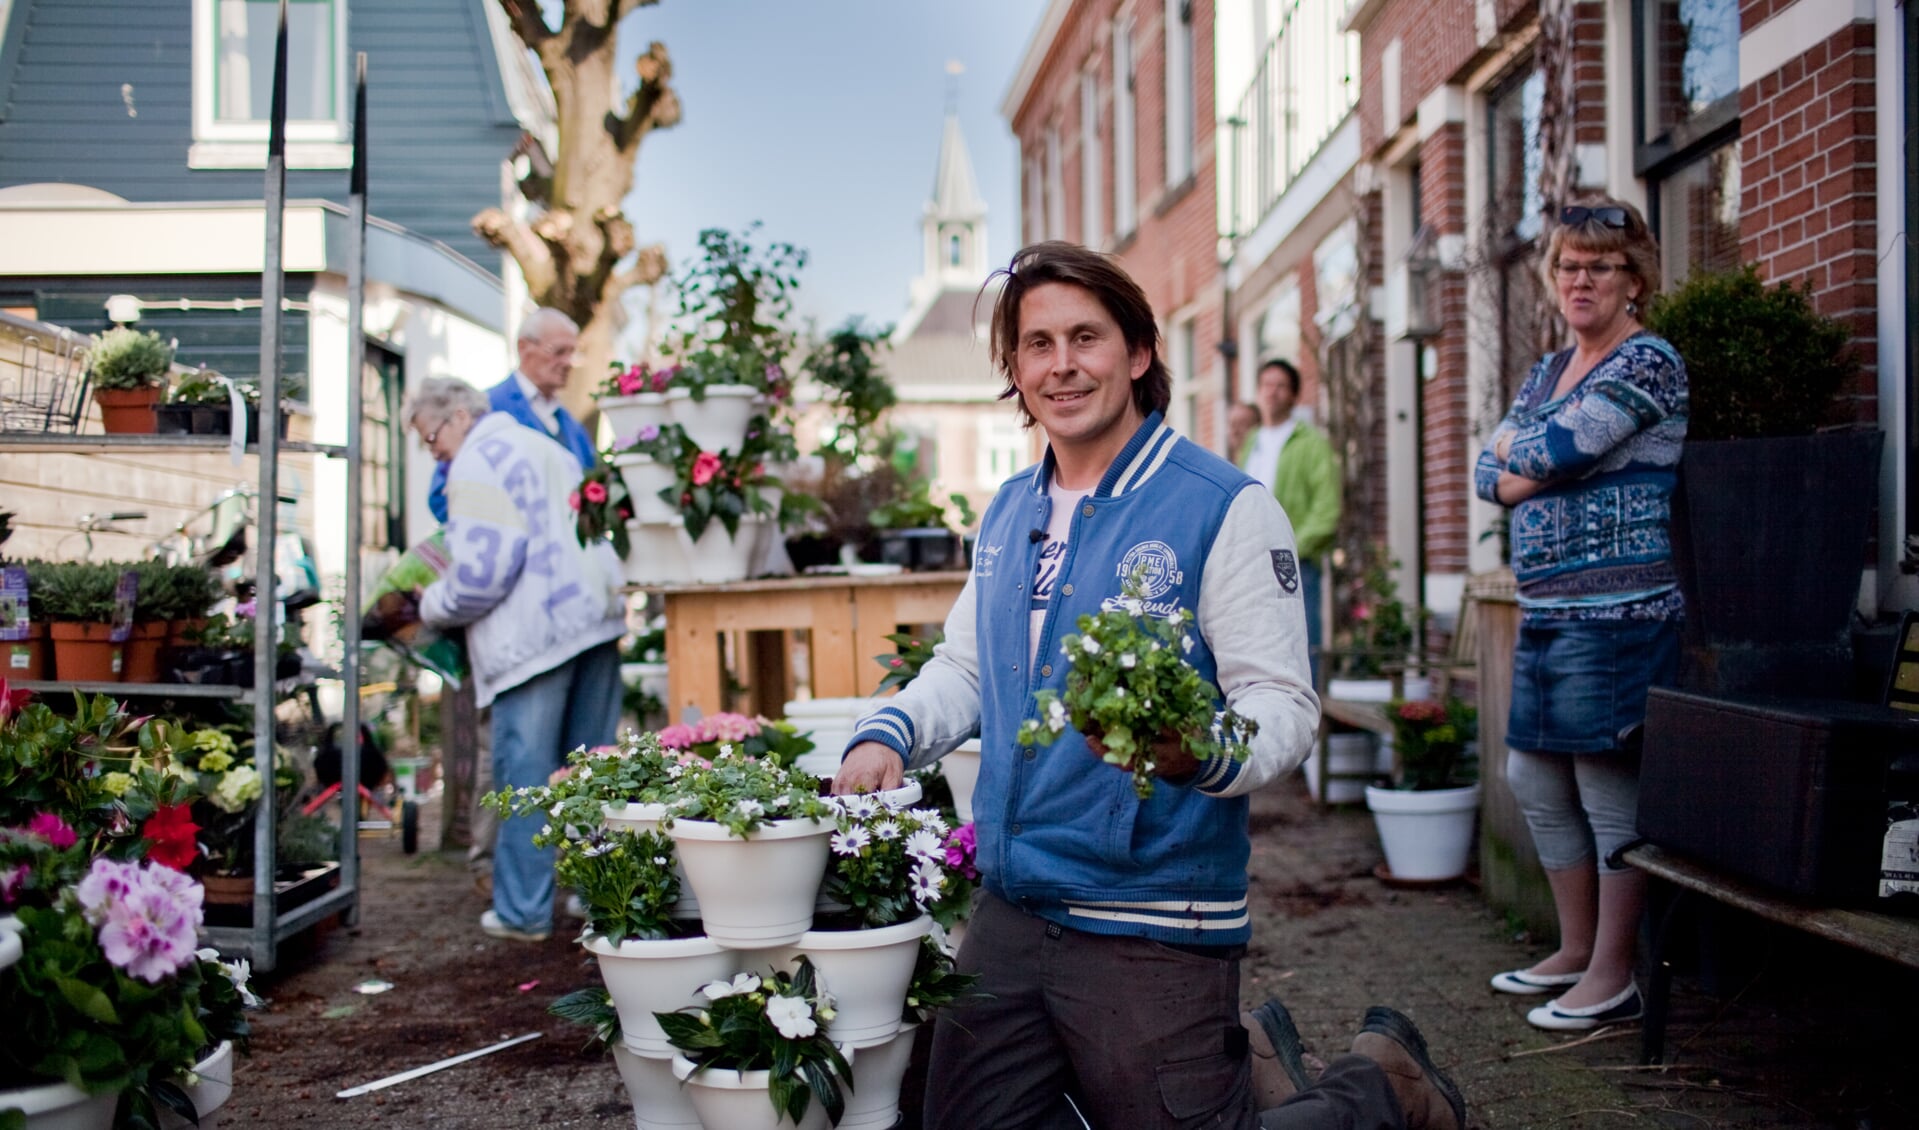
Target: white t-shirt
<point x="1052" y="555"/>
<point x="1262" y="462"/>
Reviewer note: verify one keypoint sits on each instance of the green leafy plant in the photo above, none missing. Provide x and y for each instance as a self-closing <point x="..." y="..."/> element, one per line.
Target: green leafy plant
<point x="776" y="1023"/>
<point x="715" y="485"/>
<point x="204" y="386"/>
<point x="593" y="1009"/>
<point x="1760" y="361"/>
<point x="174" y="592"/>
<point x="1376" y="634"/>
<point x="847" y="364"/>
<point x="914" y="509"/>
<point x="603" y="506"/>
<point x="625" y="879"/>
<point x="1429" y="740"/>
<point x="937" y="984"/>
<point x="1130" y="685"/>
<point x="889" y="862"/>
<point x="903" y="666"/>
<point x="573" y="802"/>
<point x="740" y="793"/>
<point x="124" y="358"/>
<point x="733" y="304"/>
<point x="648" y="646"/>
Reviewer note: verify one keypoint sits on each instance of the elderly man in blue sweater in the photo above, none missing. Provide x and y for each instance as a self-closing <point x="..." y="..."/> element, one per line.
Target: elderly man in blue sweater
<point x="543" y="616"/>
<point x="1109" y="928"/>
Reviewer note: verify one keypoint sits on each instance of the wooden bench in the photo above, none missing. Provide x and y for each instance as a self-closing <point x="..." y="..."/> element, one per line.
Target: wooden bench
<point x="1882" y="935"/>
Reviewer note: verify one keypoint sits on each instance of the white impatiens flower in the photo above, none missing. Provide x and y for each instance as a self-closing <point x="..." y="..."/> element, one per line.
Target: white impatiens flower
<point x="1089" y="645"/>
<point x="1186" y="644"/>
<point x="1132" y="605"/>
<point x="928" y="881"/>
<point x="750" y="808"/>
<point x="720" y="990"/>
<point x="925" y="844"/>
<point x="792" y="1016"/>
<point x="1056" y="716"/>
<point x="851" y="842"/>
<point x="1128" y="660"/>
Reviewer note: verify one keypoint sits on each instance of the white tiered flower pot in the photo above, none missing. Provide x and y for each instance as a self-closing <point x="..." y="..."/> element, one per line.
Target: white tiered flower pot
<point x="759" y="892"/>
<point x="961" y="768"/>
<point x="214" y="1086"/>
<point x="60" y="1106"/>
<point x="646" y="977"/>
<point x="645" y="478"/>
<point x="737" y="1100"/>
<point x="657" y="554"/>
<point x="830" y="722"/>
<point x="717" y="423"/>
<point x="659" y="1102"/>
<point x="629" y="415"/>
<point x="1427" y="835"/>
<point x="719" y="557"/>
<point x="867" y="971"/>
<point x="875" y="1101"/>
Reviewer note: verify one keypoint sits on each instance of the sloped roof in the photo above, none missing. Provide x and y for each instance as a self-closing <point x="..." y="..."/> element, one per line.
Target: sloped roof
<point x="956" y="192"/>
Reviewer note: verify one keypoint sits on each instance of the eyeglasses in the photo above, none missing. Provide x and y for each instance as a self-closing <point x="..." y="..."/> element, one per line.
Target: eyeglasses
<point x="556" y="351"/>
<point x="429" y="437"/>
<point x="1597" y="272"/>
<point x="1579" y="214"/>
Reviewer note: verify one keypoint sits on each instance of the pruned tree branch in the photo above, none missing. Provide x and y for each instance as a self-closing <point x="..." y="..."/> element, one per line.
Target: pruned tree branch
<point x="528" y="24"/>
<point x="654" y="105"/>
<point x="628" y="7"/>
<point x="646" y="270"/>
<point x="516" y="239"/>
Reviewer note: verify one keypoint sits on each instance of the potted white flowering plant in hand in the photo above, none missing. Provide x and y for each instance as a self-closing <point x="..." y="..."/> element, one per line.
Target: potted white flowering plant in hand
<point x="1140" y="704"/>
<point x="758" y="1051"/>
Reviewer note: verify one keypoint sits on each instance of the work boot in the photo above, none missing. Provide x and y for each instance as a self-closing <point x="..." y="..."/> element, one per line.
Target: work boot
<point x="1279" y="1067"/>
<point x="1426" y="1096"/>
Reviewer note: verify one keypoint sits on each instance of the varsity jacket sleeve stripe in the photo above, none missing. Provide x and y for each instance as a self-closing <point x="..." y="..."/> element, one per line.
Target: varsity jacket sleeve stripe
<point x="940" y="708"/>
<point x="1257" y="632"/>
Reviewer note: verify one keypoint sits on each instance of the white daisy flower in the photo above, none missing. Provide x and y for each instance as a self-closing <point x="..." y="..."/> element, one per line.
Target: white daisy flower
<point x="887" y="830"/>
<point x="1186" y="644"/>
<point x="925" y="844"/>
<point x="851" y="842"/>
<point x="928" y="881"/>
<point x="862" y="807"/>
<point x="930" y="818"/>
<point x="792" y="1016"/>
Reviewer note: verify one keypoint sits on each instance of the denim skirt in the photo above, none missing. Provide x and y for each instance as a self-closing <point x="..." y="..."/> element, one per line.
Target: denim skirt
<point x="1578" y="683"/>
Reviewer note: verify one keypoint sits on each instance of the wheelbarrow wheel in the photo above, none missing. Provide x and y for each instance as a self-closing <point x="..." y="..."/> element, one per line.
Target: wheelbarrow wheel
<point x="409" y="826"/>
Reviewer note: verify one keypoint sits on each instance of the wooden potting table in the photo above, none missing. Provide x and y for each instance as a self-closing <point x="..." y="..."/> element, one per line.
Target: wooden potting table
<point x="847" y="618"/>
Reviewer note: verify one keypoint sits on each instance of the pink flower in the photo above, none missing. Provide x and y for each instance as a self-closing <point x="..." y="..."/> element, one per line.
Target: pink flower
<point x="664" y="377"/>
<point x="147" y="916"/>
<point x="12" y="879"/>
<point x="679" y="736"/>
<point x="1362" y="612"/>
<point x="560" y="774"/>
<point x="896" y="661"/>
<point x="573" y="500"/>
<point x="705" y="466"/>
<point x="12" y="701"/>
<point x="961" y="847"/>
<point x="649" y="433"/>
<point x="595" y="492"/>
<point x="248" y="609"/>
<point x="52" y="829"/>
<point x="633" y="380"/>
<point x="724" y="727"/>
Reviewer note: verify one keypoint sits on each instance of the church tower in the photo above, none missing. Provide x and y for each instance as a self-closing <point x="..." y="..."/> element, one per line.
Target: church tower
<point x="952" y="231"/>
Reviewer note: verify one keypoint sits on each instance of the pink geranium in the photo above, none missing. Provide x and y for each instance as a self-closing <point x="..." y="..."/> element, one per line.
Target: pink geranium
<point x="595" y="492"/>
<point x="679" y="736"/>
<point x="705" y="466"/>
<point x="633" y="380"/>
<point x="664" y="377"/>
<point x="49" y="827"/>
<point x="573" y="500"/>
<point x="147" y="916"/>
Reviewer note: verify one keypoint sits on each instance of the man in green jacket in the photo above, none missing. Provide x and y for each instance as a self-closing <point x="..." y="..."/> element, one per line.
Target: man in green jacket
<point x="1296" y="462"/>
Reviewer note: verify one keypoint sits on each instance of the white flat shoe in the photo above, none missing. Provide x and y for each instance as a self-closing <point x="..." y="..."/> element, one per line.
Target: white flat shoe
<point x="1615" y="1010"/>
<point x="1524" y="983"/>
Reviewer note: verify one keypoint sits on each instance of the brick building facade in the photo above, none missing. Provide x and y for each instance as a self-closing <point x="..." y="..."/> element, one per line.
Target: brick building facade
<point x="1112" y="108"/>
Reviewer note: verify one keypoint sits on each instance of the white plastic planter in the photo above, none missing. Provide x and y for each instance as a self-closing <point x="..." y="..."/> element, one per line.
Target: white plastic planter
<point x="1427" y="836"/>
<point x="210" y="1093"/>
<point x="645" y="479"/>
<point x="759" y="892"/>
<point x="646" y="977"/>
<point x="830" y="722"/>
<point x="717" y="423"/>
<point x="875" y="1101"/>
<point x="632" y="817"/>
<point x="657" y="553"/>
<point x="60" y="1106"/>
<point x="867" y="971"/>
<point x="628" y="415"/>
<point x="961" y="768"/>
<point x="1345" y="753"/>
<point x="659" y="1102"/>
<point x="737" y="1100"/>
<point x="719" y="557"/>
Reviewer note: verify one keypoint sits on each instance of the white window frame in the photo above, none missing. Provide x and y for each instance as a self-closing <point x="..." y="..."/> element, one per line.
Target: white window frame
<point x="1002" y="449"/>
<point x="1092" y="214"/>
<point x="311" y="143"/>
<point x="1182" y="364"/>
<point x="1055" y="186"/>
<point x="1125" y="174"/>
<point x="1178" y="42"/>
<point x="1033" y="216"/>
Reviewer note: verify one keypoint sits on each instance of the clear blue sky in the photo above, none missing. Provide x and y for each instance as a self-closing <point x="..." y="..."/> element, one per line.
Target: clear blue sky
<point x="822" y="119"/>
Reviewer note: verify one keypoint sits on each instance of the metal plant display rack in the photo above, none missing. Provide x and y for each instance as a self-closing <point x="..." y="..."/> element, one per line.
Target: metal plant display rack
<point x="270" y="925"/>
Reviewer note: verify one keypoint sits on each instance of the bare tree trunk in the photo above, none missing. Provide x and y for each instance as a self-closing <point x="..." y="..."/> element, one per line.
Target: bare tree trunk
<point x="1558" y="139"/>
<point x="580" y="254"/>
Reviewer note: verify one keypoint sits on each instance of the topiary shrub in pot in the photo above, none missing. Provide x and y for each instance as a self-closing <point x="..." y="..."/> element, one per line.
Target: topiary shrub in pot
<point x="81" y="602"/>
<point x="1772" y="513"/>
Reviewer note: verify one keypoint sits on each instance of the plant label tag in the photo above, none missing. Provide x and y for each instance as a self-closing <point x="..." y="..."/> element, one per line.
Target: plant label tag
<point x="124" y="594"/>
<point x="13" y="603"/>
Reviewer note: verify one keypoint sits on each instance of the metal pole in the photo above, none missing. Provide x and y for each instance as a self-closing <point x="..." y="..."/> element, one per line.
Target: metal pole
<point x="355" y="382"/>
<point x="267" y="504"/>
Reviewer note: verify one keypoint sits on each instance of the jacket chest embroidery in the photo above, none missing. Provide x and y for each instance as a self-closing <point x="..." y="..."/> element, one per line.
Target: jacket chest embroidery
<point x="1159" y="572"/>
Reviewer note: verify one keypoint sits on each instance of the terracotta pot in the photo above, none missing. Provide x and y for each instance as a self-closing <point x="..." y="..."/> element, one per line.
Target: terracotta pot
<point x="25" y="659"/>
<point x="228" y="890"/>
<point x="181" y="633"/>
<point x="128" y="411"/>
<point x="85" y="653"/>
<point x="143" y="652"/>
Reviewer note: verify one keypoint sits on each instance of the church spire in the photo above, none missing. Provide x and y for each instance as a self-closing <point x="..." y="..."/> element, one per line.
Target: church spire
<point x="953" y="226"/>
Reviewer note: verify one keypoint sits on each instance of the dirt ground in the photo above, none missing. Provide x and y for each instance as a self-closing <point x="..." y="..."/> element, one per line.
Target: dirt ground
<point x="1795" y="1035"/>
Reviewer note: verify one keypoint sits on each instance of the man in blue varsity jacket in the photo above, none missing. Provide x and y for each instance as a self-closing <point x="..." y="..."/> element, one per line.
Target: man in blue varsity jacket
<point x="1109" y="929"/>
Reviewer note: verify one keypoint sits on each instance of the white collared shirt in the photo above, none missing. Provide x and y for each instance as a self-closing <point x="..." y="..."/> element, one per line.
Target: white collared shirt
<point x="547" y="408"/>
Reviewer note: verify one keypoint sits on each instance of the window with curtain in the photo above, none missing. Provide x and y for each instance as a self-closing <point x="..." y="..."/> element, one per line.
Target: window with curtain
<point x="1688" y="105"/>
<point x="1091" y="197"/>
<point x="1179" y="90"/>
<point x="233" y="43"/>
<point x="1125" y="205"/>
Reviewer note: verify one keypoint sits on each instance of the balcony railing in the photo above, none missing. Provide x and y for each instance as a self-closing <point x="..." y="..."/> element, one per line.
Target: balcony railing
<point x="1306" y="84"/>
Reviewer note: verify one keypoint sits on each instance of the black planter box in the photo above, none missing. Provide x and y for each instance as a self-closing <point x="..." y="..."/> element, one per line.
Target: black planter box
<point x="208" y="420"/>
<point x="921" y="551"/>
<point x="1790" y="793"/>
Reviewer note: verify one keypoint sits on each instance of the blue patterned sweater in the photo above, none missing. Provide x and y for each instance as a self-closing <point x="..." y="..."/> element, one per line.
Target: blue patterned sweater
<point x="1595" y="544"/>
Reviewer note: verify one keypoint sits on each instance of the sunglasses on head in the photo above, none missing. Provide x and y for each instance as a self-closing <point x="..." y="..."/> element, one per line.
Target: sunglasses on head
<point x="1579" y="214"/>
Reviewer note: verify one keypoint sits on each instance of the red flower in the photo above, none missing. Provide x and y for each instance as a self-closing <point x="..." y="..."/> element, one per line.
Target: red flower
<point x="573" y="500"/>
<point x="12" y="701"/>
<point x="595" y="492"/>
<point x="705" y="466"/>
<point x="172" y="833"/>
